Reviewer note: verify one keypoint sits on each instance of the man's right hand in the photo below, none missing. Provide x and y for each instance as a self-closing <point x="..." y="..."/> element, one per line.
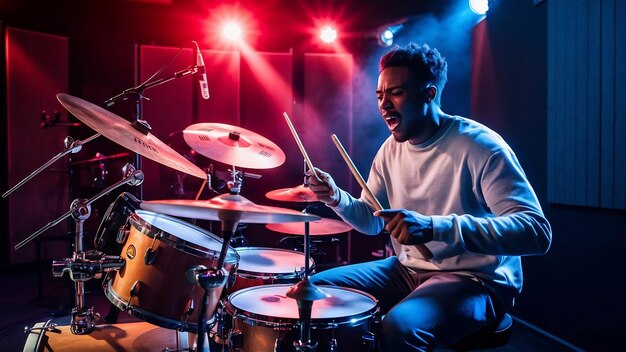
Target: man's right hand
<point x="324" y="188"/>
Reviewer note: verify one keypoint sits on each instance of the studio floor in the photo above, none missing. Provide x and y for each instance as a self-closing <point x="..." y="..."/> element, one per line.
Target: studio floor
<point x="32" y="295"/>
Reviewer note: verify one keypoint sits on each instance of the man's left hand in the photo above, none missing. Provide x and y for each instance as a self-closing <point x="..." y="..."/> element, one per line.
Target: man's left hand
<point x="408" y="227"/>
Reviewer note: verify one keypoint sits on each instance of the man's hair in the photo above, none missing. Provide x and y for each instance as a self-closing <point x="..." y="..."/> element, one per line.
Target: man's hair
<point x="426" y="64"/>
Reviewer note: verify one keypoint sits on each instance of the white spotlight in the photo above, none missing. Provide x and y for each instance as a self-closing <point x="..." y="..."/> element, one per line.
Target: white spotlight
<point x="328" y="34"/>
<point x="387" y="35"/>
<point x="479" y="7"/>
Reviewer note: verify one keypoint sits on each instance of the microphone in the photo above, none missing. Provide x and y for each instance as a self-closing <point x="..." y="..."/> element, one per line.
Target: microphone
<point x="204" y="86"/>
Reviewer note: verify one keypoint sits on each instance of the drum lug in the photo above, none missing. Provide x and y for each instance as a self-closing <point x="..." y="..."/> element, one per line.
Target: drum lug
<point x="122" y="233"/>
<point x="235" y="340"/>
<point x="150" y="256"/>
<point x="332" y="345"/>
<point x="151" y="253"/>
<point x="134" y="289"/>
<point x="189" y="308"/>
<point x="369" y="341"/>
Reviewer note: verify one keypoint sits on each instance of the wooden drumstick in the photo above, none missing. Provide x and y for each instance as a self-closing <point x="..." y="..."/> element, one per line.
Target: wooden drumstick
<point x="356" y="173"/>
<point x="424" y="251"/>
<point x="302" y="150"/>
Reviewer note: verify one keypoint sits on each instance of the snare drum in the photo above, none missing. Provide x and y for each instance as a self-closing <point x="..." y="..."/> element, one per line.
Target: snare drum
<point x="265" y="266"/>
<point x="265" y="319"/>
<point x="156" y="283"/>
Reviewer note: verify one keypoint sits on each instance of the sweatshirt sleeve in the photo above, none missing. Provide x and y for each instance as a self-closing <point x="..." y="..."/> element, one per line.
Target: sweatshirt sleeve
<point x="517" y="226"/>
<point x="359" y="214"/>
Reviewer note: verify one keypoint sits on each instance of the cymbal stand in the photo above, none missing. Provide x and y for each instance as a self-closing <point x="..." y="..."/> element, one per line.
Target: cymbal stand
<point x="212" y="278"/>
<point x="305" y="304"/>
<point x="305" y="292"/>
<point x="71" y="146"/>
<point x="236" y="183"/>
<point x="80" y="267"/>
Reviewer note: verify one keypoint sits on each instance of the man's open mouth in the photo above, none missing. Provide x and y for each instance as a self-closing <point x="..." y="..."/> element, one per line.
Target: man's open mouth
<point x="392" y="122"/>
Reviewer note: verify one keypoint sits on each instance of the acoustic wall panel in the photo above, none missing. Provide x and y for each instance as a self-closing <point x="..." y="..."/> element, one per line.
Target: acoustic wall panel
<point x="223" y="77"/>
<point x="36" y="70"/>
<point x="328" y="110"/>
<point x="266" y="93"/>
<point x="328" y="99"/>
<point x="177" y="104"/>
<point x="586" y="122"/>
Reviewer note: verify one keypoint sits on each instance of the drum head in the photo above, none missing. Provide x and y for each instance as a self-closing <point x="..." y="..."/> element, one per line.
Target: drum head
<point x="271" y="303"/>
<point x="188" y="233"/>
<point x="260" y="260"/>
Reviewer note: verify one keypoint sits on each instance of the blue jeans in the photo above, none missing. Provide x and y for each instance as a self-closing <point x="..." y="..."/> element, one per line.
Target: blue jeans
<point x="422" y="310"/>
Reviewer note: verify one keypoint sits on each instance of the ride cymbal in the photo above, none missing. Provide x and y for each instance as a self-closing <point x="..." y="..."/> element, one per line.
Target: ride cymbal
<point x="323" y="226"/>
<point x="127" y="135"/>
<point x="233" y="145"/>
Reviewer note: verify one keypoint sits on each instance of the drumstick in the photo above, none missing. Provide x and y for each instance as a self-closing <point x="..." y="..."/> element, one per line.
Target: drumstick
<point x="201" y="189"/>
<point x="356" y="173"/>
<point x="302" y="150"/>
<point x="424" y="251"/>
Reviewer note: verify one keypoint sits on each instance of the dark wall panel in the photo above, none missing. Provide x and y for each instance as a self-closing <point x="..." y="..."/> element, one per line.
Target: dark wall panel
<point x="266" y="92"/>
<point x="36" y="70"/>
<point x="585" y="118"/>
<point x="177" y="104"/>
<point x="328" y="107"/>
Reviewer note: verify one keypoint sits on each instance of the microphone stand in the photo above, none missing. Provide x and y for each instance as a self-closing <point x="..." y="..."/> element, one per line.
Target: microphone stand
<point x="71" y="146"/>
<point x="136" y="93"/>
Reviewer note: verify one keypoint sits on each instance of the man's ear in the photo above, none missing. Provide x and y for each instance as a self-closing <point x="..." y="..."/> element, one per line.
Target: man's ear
<point x="431" y="93"/>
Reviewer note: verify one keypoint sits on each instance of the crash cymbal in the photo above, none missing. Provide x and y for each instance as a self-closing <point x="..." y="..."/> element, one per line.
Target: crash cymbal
<point x="125" y="134"/>
<point x="296" y="194"/>
<point x="232" y="207"/>
<point x="323" y="226"/>
<point x="99" y="157"/>
<point x="233" y="145"/>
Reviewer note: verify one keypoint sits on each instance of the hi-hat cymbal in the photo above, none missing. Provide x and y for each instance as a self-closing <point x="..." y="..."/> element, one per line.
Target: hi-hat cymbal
<point x="233" y="145"/>
<point x="296" y="194"/>
<point x="231" y="207"/>
<point x="323" y="226"/>
<point x="125" y="134"/>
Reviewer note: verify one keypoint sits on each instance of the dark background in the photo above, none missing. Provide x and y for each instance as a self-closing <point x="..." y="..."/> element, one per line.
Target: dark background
<point x="575" y="292"/>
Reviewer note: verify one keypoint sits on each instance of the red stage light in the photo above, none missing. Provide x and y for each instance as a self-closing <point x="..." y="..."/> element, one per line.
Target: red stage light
<point x="328" y="34"/>
<point x="232" y="31"/>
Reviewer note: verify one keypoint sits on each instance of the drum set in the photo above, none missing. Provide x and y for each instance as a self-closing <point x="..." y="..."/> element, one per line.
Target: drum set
<point x="177" y="276"/>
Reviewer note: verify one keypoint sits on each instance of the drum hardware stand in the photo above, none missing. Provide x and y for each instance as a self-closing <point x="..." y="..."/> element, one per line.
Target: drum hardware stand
<point x="212" y="278"/>
<point x="305" y="292"/>
<point x="80" y="267"/>
<point x="236" y="184"/>
<point x="71" y="146"/>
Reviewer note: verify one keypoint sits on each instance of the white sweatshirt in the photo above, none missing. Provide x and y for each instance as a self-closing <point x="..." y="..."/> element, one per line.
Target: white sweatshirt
<point x="485" y="213"/>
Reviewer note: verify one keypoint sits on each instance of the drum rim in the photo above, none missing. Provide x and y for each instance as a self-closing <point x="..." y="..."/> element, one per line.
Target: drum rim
<point x="256" y="319"/>
<point x="249" y="274"/>
<point x="151" y="318"/>
<point x="36" y="335"/>
<point x="151" y="231"/>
